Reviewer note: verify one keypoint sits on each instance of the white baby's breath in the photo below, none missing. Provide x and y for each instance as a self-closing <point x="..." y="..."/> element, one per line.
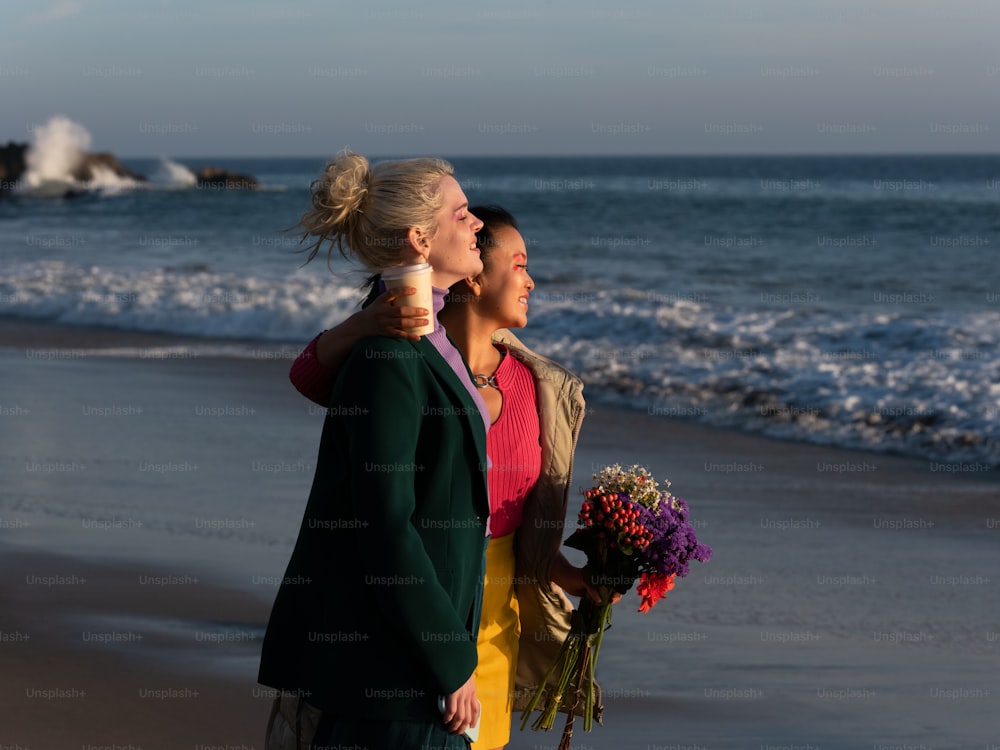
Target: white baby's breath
<point x="636" y="482"/>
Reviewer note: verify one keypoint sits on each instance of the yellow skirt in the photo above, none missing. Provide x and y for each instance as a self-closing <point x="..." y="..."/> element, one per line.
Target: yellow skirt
<point x="499" y="630"/>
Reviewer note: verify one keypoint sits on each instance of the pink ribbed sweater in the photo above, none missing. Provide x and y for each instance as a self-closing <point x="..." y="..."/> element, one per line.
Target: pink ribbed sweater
<point x="513" y="446"/>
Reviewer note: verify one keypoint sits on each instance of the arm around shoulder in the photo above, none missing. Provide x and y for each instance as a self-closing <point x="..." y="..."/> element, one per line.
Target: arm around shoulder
<point x="315" y="369"/>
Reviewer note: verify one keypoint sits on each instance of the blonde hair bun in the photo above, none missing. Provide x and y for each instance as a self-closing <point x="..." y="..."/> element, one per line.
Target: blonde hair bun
<point x="369" y="209"/>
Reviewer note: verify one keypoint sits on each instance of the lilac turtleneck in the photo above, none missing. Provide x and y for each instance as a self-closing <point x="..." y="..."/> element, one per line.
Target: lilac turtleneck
<point x="439" y="338"/>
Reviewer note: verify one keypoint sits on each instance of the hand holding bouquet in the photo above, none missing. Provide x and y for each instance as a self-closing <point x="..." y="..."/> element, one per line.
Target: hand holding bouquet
<point x="630" y="530"/>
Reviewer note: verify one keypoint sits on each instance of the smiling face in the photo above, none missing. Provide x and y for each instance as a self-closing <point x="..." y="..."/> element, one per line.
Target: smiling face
<point x="506" y="285"/>
<point x="452" y="250"/>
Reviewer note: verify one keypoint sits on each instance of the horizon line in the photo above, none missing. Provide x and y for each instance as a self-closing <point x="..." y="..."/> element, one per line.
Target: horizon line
<point x="667" y="155"/>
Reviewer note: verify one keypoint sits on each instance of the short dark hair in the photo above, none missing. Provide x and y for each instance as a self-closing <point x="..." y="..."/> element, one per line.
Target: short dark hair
<point x="494" y="218"/>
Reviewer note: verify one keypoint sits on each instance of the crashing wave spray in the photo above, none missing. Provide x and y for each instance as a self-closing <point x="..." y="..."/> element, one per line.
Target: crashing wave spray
<point x="58" y="163"/>
<point x="57" y="150"/>
<point x="172" y="174"/>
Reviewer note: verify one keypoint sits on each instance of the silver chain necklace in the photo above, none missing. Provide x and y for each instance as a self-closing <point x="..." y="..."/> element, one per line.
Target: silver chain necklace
<point x="482" y="381"/>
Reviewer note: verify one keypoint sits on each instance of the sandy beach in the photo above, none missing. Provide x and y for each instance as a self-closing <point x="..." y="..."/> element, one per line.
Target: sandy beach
<point x="150" y="503"/>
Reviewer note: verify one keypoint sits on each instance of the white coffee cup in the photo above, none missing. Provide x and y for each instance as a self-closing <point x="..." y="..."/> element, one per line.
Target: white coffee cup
<point x="419" y="277"/>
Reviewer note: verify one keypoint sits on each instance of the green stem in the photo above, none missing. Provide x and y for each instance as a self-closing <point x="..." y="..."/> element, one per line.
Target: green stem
<point x="556" y="696"/>
<point x="582" y="670"/>
<point x="604" y="620"/>
<point x="575" y="665"/>
<point x="543" y="688"/>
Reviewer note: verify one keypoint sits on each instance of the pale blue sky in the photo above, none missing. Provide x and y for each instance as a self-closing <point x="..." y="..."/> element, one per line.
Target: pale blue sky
<point x="228" y="78"/>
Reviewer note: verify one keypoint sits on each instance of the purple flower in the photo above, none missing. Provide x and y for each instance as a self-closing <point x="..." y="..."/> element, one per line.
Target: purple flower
<point x="675" y="542"/>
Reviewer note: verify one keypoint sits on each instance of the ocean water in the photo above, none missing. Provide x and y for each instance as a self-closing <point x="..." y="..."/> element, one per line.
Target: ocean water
<point x="852" y="301"/>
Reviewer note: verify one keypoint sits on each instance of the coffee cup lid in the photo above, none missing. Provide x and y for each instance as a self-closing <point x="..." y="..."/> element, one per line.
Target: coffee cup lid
<point x="396" y="271"/>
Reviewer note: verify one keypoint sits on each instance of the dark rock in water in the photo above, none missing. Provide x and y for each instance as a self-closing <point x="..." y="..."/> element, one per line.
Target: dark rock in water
<point x="12" y="166"/>
<point x="220" y="179"/>
<point x="91" y="163"/>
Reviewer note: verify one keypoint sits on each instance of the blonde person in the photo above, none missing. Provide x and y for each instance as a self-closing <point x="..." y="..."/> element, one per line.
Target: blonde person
<point x="536" y="408"/>
<point x="379" y="607"/>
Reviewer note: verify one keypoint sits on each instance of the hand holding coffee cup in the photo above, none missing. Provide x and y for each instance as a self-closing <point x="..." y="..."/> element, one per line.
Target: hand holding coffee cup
<point x="388" y="315"/>
<point x="417" y="277"/>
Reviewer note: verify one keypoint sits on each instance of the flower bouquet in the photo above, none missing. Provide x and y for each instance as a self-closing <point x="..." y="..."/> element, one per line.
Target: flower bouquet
<point x="630" y="530"/>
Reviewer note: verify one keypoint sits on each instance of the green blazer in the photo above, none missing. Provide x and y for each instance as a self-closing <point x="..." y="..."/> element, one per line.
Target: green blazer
<point x="379" y="609"/>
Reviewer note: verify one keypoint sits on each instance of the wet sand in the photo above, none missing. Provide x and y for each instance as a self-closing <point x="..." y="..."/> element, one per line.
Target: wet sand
<point x="851" y="601"/>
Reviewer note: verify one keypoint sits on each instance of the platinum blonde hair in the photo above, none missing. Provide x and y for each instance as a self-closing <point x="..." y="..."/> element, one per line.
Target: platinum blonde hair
<point x="365" y="210"/>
